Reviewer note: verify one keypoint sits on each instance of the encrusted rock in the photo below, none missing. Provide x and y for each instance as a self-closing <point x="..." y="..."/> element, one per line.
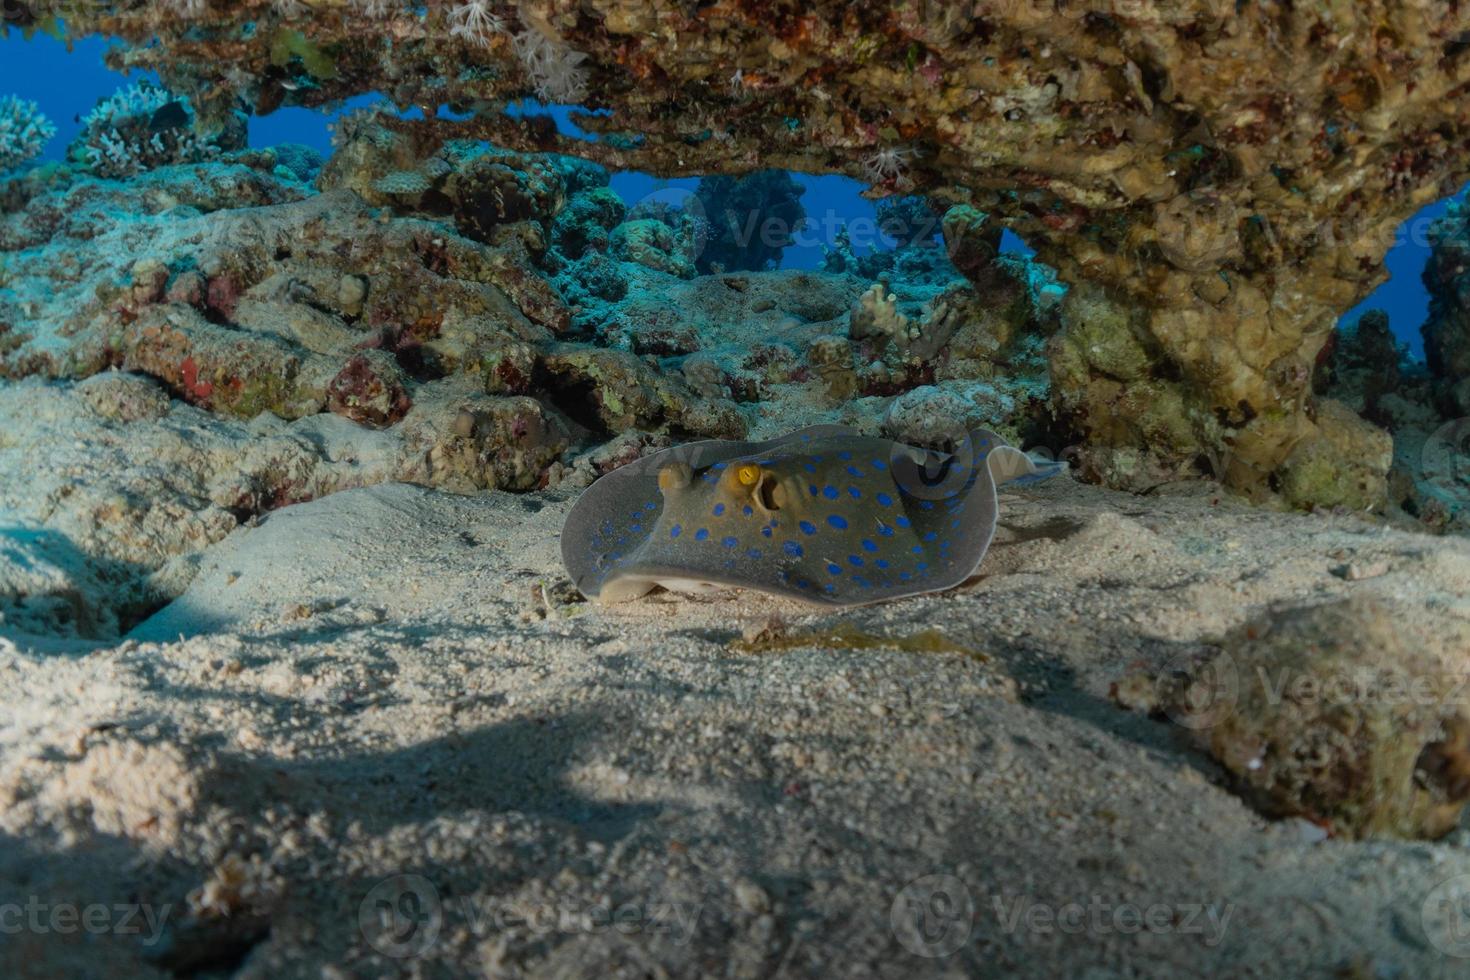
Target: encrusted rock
<point x="1343" y="462"/>
<point x="1349" y="713"/>
<point x="370" y="390"/>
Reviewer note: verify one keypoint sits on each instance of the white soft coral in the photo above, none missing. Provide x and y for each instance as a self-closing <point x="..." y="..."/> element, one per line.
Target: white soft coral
<point x="887" y="164"/>
<point x="474" y="21"/>
<point x="555" y="70"/>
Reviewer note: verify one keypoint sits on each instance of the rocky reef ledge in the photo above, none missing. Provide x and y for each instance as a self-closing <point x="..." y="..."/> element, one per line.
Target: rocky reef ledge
<point x="1219" y="182"/>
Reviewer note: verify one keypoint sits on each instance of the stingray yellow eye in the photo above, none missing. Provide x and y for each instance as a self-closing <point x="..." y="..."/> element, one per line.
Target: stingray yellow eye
<point x="749" y="475"/>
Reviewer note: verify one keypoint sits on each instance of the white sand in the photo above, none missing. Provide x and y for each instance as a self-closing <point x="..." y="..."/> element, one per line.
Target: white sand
<point x="393" y="681"/>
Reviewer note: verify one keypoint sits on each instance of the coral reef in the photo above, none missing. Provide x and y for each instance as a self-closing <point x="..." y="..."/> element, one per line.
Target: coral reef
<point x="144" y="126"/>
<point x="752" y="220"/>
<point x="1447" y="329"/>
<point x="24" y="132"/>
<point x="1234" y="174"/>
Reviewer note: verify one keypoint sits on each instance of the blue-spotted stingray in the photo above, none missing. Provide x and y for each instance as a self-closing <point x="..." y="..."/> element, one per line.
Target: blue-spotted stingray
<point x="824" y="515"/>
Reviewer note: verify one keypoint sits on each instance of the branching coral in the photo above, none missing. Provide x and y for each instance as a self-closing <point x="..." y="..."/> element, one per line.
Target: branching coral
<point x="900" y="338"/>
<point x="139" y="128"/>
<point x="23" y="131"/>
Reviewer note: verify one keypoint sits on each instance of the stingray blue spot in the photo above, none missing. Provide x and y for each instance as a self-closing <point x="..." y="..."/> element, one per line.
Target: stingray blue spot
<point x="931" y="536"/>
<point x="807" y="527"/>
<point x="814" y="489"/>
<point x="675" y="531"/>
<point x="816" y="459"/>
<point x="746" y="510"/>
<point x="854" y="471"/>
<point x="838" y="521"/>
<point x="721" y="465"/>
<point x="917" y="549"/>
<point x="922" y="565"/>
<point x="868" y="545"/>
<point x="881" y="563"/>
<point x="855" y="560"/>
<point x="902" y="521"/>
<point x="792" y="548"/>
<point x="829" y="587"/>
<point x="730" y="542"/>
<point x="984" y="442"/>
<point x="834" y="569"/>
<point x="635" y="527"/>
<point x="766" y="531"/>
<point x="806" y="437"/>
<point x="954" y="524"/>
<point x="860" y="581"/>
<point x="650" y="506"/>
<point x="856" y="493"/>
<point x="885" y="530"/>
<point x="878" y="464"/>
<point x="926" y="505"/>
<point x="885" y="500"/>
<point x="728" y="563"/>
<point x="719" y="510"/>
<point x="905" y="576"/>
<point x="701" y="534"/>
<point x="753" y="553"/>
<point x="830" y="492"/>
<point x="844" y="456"/>
<point x="808" y="467"/>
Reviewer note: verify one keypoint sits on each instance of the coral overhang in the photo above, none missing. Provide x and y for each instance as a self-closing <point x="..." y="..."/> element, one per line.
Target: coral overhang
<point x="1233" y="173"/>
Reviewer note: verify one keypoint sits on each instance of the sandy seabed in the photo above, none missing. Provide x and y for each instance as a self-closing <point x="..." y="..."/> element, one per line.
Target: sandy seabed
<point x="379" y="735"/>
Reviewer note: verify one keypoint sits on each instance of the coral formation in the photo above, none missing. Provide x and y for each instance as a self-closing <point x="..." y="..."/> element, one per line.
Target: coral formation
<point x="1188" y="161"/>
<point x="144" y="126"/>
<point x="1351" y="714"/>
<point x="752" y="220"/>
<point x="24" y="132"/>
<point x="1447" y="329"/>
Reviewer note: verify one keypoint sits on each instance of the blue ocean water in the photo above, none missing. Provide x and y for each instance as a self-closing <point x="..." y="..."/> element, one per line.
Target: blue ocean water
<point x="66" y="80"/>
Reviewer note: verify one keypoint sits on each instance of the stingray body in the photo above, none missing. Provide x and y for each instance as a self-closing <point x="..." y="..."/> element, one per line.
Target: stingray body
<point x="824" y="514"/>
